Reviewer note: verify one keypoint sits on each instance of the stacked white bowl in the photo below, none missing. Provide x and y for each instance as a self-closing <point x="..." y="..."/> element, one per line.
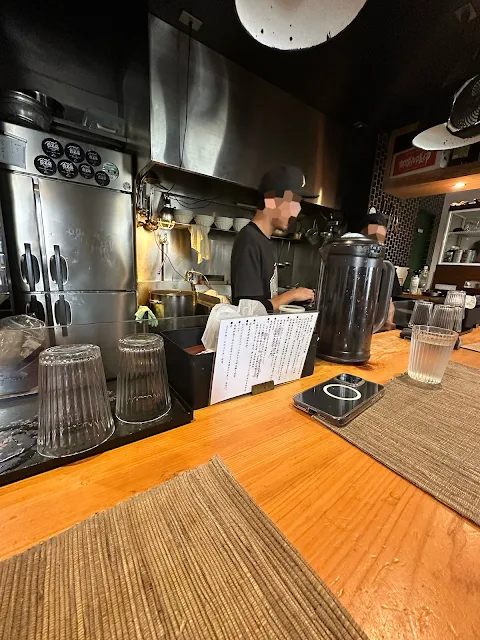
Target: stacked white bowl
<point x="204" y="221"/>
<point x="239" y="223"/>
<point x="223" y="223"/>
<point x="183" y="216"/>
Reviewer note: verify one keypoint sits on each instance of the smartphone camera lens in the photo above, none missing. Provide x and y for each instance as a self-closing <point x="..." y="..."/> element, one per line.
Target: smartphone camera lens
<point x="347" y="378"/>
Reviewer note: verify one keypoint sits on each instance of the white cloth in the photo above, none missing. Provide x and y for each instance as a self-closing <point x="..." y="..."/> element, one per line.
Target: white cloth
<point x="200" y="242"/>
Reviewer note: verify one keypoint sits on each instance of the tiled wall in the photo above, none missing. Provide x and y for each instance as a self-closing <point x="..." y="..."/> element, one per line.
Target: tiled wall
<point x="399" y="243"/>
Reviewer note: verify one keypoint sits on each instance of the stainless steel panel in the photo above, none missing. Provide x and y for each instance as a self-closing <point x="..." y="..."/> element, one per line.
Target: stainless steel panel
<point x="33" y="140"/>
<point x="98" y="318"/>
<point x="239" y="126"/>
<point x="21" y="229"/>
<point x="36" y="304"/>
<point x="94" y="230"/>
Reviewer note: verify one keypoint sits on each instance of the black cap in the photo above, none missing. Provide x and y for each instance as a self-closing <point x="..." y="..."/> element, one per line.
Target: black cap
<point x="284" y="178"/>
<point x="373" y="218"/>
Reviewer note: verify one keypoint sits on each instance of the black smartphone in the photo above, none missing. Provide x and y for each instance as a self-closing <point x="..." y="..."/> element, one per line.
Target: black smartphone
<point x="340" y="399"/>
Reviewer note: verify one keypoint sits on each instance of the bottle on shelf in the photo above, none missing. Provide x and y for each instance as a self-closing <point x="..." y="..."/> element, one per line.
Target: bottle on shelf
<point x="422" y="280"/>
<point x="414" y="282"/>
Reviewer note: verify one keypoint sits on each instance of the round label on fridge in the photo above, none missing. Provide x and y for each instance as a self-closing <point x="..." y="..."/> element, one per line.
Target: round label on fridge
<point x="74" y="152"/>
<point x="86" y="171"/>
<point x="111" y="170"/>
<point x="93" y="158"/>
<point x="102" y="178"/>
<point x="52" y="148"/>
<point x="67" y="169"/>
<point x="45" y="165"/>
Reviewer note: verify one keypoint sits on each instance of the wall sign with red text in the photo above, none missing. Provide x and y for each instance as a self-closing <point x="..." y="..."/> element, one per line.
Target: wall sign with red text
<point x="414" y="161"/>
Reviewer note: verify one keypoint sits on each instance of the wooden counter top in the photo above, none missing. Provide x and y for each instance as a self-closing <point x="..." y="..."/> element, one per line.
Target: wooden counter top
<point x="402" y="563"/>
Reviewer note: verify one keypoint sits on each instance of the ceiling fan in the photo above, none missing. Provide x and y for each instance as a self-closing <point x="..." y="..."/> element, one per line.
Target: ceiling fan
<point x="463" y="125"/>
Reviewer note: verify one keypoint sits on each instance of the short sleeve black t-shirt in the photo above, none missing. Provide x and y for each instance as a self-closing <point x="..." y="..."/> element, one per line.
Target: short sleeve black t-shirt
<point x="254" y="273"/>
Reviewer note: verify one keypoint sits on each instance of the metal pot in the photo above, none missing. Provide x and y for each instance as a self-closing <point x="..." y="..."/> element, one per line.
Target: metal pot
<point x="19" y="108"/>
<point x="172" y="304"/>
<point x="52" y="105"/>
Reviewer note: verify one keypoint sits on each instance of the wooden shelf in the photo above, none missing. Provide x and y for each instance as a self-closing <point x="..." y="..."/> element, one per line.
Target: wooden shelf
<point x="459" y="264"/>
<point x="435" y="182"/>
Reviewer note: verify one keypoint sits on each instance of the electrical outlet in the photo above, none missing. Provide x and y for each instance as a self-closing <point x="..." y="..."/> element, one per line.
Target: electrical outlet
<point x="187" y="18"/>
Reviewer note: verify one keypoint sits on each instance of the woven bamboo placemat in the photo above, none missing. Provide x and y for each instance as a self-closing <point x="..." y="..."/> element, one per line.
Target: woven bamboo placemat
<point x="475" y="346"/>
<point x="429" y="434"/>
<point x="194" y="558"/>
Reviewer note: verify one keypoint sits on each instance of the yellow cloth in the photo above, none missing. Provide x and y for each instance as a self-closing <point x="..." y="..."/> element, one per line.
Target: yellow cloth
<point x="200" y="242"/>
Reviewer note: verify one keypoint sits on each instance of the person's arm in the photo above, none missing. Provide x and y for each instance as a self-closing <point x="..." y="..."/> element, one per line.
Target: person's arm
<point x="293" y="295"/>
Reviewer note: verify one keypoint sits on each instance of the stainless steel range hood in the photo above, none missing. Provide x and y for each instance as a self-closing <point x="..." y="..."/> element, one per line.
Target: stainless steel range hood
<point x="238" y="125"/>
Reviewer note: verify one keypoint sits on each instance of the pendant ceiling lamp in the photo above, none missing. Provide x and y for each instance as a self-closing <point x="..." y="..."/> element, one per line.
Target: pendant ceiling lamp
<point x="296" y="24"/>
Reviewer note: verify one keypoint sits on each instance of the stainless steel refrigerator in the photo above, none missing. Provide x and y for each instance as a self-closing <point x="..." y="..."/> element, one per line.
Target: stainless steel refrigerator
<point x="69" y="226"/>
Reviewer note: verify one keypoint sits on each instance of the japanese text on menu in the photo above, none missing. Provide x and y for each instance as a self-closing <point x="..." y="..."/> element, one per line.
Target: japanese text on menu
<point x="255" y="350"/>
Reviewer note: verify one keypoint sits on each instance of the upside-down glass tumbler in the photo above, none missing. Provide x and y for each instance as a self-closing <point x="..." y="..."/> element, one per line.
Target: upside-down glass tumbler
<point x="421" y="312"/>
<point x="443" y="316"/>
<point x="142" y="385"/>
<point x="74" y="410"/>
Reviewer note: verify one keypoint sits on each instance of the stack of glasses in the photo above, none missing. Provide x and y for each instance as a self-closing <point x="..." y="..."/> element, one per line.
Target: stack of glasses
<point x="74" y="412"/>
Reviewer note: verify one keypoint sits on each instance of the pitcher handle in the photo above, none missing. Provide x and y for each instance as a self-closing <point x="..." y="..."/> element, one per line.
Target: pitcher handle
<point x="385" y="295"/>
<point x="323" y="261"/>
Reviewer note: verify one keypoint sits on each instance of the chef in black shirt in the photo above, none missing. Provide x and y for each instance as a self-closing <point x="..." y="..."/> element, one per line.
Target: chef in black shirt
<point x="254" y="273"/>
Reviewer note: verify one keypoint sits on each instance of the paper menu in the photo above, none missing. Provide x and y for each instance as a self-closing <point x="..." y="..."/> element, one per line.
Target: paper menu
<point x="259" y="349"/>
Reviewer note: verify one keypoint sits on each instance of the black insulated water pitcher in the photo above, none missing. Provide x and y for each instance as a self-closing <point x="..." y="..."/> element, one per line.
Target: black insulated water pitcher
<point x="353" y="297"/>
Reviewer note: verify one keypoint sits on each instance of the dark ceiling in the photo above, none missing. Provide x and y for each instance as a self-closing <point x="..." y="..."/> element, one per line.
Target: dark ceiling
<point x="399" y="61"/>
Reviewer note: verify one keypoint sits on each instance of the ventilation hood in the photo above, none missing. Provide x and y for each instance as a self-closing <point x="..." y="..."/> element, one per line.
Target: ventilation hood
<point x="238" y="125"/>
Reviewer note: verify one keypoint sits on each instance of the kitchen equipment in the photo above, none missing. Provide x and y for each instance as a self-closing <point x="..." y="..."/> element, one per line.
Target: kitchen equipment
<point x="183" y="217"/>
<point x="74" y="409"/>
<point x="239" y="223"/>
<point x="204" y="221"/>
<point x="291" y="308"/>
<point x="19" y="108"/>
<point x="430" y="350"/>
<point x="223" y="223"/>
<point x="443" y="316"/>
<point x="172" y="303"/>
<point x="421" y="312"/>
<point x="69" y="229"/>
<point x="55" y="108"/>
<point x="353" y="298"/>
<point x="142" y="384"/>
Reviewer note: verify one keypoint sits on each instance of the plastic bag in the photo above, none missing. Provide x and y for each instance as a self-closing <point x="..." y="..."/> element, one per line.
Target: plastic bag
<point x="245" y="309"/>
<point x="218" y="313"/>
<point x="22" y="339"/>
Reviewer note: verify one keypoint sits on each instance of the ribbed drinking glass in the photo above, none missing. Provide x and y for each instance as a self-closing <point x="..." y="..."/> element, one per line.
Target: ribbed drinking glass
<point x="457" y="299"/>
<point x="74" y="410"/>
<point x="421" y="313"/>
<point x="430" y="350"/>
<point x="142" y="385"/>
<point x="443" y="316"/>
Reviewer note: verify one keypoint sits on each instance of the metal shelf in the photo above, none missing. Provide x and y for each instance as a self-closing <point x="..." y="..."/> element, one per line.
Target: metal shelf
<point x="471" y="234"/>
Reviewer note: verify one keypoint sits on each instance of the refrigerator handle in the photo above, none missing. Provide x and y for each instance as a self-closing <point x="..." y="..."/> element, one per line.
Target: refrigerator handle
<point x="58" y="267"/>
<point x="63" y="313"/>
<point x="29" y="267"/>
